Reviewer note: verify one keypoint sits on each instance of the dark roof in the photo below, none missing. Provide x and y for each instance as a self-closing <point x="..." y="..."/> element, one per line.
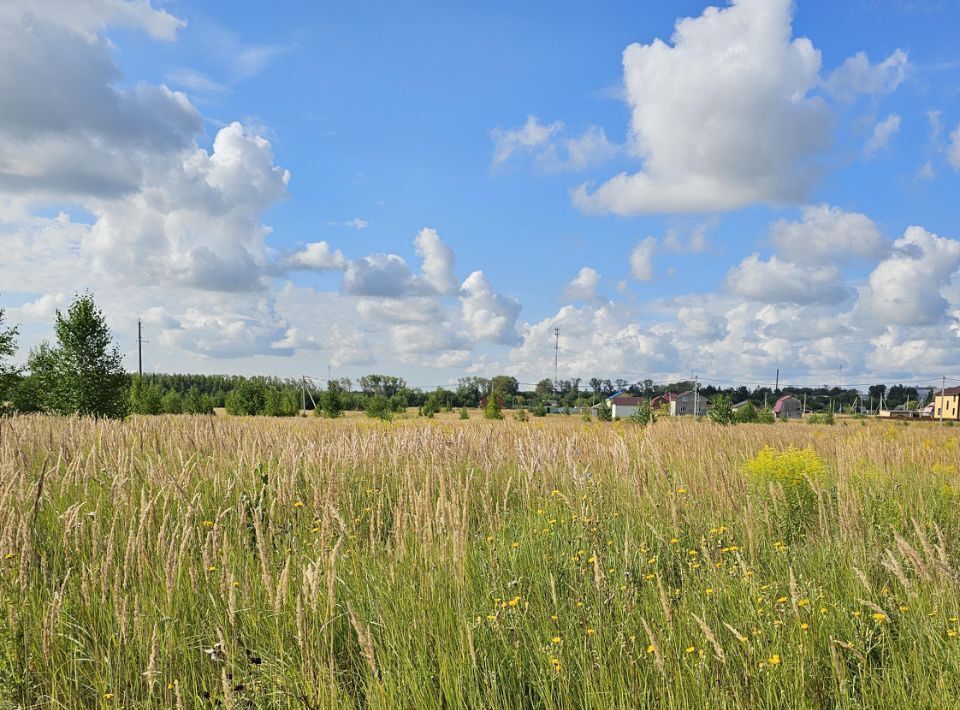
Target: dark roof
<point x="951" y="392"/>
<point x="626" y="401"/>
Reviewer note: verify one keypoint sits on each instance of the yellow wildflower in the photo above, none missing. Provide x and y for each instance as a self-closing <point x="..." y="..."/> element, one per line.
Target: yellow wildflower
<point x="556" y="640"/>
<point x="299" y="504"/>
<point x="774" y="660"/>
<point x="690" y="649"/>
<point x="879" y="617"/>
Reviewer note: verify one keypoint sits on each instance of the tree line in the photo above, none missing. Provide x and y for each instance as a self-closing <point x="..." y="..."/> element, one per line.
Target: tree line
<point x="82" y="373"/>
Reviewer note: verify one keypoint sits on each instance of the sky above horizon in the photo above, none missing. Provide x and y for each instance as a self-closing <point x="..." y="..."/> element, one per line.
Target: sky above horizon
<point x="429" y="189"/>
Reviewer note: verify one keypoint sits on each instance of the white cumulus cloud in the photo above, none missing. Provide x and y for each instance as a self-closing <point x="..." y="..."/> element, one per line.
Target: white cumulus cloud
<point x="858" y="76"/>
<point x="641" y="259"/>
<point x="828" y="235"/>
<point x="778" y="281"/>
<point x="721" y="116"/>
<point x="488" y="315"/>
<point x="583" y="286"/>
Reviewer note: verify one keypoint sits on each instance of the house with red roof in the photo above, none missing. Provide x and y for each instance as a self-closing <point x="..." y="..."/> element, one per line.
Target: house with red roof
<point x="788" y="407"/>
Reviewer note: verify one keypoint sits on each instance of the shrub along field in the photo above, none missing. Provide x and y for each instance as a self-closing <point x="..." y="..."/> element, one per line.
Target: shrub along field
<point x="195" y="561"/>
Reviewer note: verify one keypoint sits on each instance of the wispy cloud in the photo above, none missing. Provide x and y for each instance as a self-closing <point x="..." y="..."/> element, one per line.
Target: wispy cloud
<point x="355" y="223"/>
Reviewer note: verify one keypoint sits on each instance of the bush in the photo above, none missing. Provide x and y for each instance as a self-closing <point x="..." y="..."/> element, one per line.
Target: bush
<point x="521" y="415"/>
<point x="280" y="403"/>
<point x="247" y="398"/>
<point x="765" y="416"/>
<point x="821" y="418"/>
<point x="604" y="414"/>
<point x="464" y="414"/>
<point x="492" y="409"/>
<point x="747" y="414"/>
<point x="196" y="402"/>
<point x="795" y="474"/>
<point x="722" y="410"/>
<point x="331" y="402"/>
<point x="172" y="404"/>
<point x="539" y="410"/>
<point x="379" y="407"/>
<point x="643" y="415"/>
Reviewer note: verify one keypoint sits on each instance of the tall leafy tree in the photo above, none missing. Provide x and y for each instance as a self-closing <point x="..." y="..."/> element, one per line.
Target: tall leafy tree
<point x="8" y="373"/>
<point x="83" y="373"/>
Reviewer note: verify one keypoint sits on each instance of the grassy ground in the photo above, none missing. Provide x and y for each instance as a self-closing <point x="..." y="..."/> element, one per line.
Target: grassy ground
<point x="192" y="562"/>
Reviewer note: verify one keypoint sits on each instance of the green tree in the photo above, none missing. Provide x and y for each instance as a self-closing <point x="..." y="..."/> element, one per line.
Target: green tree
<point x="196" y="402"/>
<point x="493" y="410"/>
<point x="747" y="414"/>
<point x="378" y="407"/>
<point x="172" y="403"/>
<point x="247" y="398"/>
<point x="331" y="401"/>
<point x="604" y="414"/>
<point x="83" y="374"/>
<point x="430" y="406"/>
<point x="26" y="395"/>
<point x="280" y="402"/>
<point x="9" y="374"/>
<point x="765" y="416"/>
<point x="145" y="397"/>
<point x="505" y="386"/>
<point x="643" y="415"/>
<point x="722" y="410"/>
<point x="539" y="410"/>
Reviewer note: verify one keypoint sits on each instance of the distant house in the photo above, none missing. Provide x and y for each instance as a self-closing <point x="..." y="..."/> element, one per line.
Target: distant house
<point x="788" y="407"/>
<point x="947" y="404"/>
<point x="662" y="399"/>
<point x="740" y="405"/>
<point x="683" y="404"/>
<point x="486" y="398"/>
<point x="622" y="406"/>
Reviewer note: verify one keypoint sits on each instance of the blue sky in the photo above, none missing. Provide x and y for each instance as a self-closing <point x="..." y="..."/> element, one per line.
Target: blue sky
<point x="251" y="181"/>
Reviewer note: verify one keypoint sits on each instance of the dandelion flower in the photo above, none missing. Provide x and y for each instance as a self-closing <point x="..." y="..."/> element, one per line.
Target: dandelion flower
<point x="212" y="568"/>
<point x="591" y="632"/>
<point x="708" y="590"/>
<point x="774" y="660"/>
<point x="690" y="649"/>
<point x="650" y="648"/>
<point x="514" y="601"/>
<point x="299" y="504"/>
<point x="556" y="640"/>
<point x="804" y="626"/>
<point x="782" y="600"/>
<point x="879" y="617"/>
<point x="208" y="523"/>
<point x="108" y="696"/>
<point x="515" y="545"/>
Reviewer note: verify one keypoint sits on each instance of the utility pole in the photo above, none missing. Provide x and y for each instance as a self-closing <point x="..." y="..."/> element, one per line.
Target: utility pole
<point x="140" y="342"/>
<point x="696" y="398"/>
<point x="777" y="386"/>
<point x="804" y="405"/>
<point x="556" y="359"/>
<point x="943" y="397"/>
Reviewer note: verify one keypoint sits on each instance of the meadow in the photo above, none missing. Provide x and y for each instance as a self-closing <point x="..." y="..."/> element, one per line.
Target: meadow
<point x="191" y="561"/>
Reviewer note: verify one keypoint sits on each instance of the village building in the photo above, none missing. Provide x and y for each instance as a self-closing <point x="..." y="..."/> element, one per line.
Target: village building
<point x="788" y="407"/>
<point x="623" y="406"/>
<point x="683" y="404"/>
<point x="947" y="404"/>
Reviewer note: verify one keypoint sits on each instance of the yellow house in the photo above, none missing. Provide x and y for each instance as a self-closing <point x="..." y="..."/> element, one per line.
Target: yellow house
<point x="947" y="404"/>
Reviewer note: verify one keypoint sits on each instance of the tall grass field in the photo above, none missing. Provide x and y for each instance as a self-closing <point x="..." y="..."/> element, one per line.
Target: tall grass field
<point x="193" y="562"/>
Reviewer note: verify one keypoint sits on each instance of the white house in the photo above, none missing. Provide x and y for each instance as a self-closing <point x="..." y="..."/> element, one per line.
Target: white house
<point x="622" y="406"/>
<point x="684" y="403"/>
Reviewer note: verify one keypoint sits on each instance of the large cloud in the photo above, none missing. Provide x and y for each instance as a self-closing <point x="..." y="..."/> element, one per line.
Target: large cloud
<point x="906" y="288"/>
<point x="828" y="235"/>
<point x="722" y="117"/>
<point x="488" y="316"/>
<point x="66" y="128"/>
<point x="778" y="281"/>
